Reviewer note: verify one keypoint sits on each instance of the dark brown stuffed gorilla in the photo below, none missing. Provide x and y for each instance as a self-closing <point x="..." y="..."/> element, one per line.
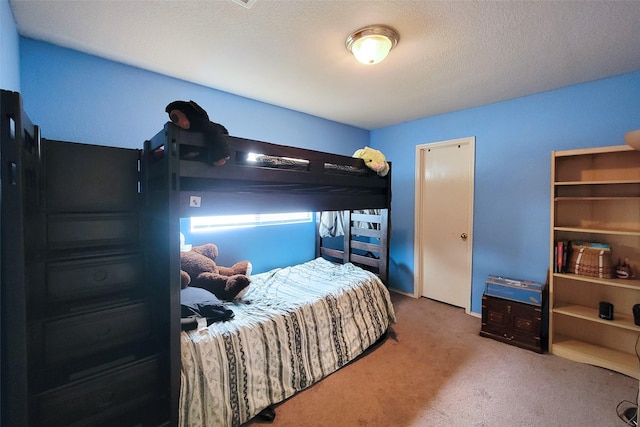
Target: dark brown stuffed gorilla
<point x="190" y="116"/>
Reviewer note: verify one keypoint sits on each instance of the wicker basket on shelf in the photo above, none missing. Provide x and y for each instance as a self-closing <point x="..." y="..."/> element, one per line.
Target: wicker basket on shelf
<point x="591" y="259"/>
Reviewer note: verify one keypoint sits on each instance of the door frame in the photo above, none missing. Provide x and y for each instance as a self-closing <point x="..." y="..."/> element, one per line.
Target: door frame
<point x="417" y="247"/>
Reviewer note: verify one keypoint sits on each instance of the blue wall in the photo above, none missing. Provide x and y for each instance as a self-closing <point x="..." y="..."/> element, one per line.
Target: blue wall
<point x="87" y="99"/>
<point x="9" y="50"/>
<point x="83" y="98"/>
<point x="266" y="247"/>
<point x="514" y="140"/>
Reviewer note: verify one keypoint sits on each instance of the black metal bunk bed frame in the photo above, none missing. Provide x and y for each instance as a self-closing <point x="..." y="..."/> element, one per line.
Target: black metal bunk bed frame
<point x="90" y="297"/>
<point x="84" y="332"/>
<point x="314" y="181"/>
<point x="307" y="180"/>
<point x="178" y="182"/>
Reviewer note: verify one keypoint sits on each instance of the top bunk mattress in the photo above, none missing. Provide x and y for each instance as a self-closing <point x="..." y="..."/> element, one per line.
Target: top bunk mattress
<point x="295" y="326"/>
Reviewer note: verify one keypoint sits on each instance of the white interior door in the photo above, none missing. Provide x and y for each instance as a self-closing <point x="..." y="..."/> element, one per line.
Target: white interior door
<point x="444" y="220"/>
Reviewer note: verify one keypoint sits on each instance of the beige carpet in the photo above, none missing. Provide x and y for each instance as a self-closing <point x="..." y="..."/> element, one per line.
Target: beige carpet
<point x="435" y="370"/>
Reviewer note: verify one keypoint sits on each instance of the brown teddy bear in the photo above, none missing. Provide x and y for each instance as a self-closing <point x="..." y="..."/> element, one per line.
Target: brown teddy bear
<point x="199" y="269"/>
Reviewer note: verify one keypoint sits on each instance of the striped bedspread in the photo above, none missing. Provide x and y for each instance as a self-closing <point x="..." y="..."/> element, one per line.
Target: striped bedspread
<point x="295" y="326"/>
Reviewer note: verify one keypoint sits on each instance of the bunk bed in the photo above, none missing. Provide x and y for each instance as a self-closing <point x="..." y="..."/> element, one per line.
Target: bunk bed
<point x="222" y="374"/>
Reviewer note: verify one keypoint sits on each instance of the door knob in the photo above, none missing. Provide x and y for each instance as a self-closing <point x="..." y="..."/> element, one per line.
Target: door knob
<point x="463" y="236"/>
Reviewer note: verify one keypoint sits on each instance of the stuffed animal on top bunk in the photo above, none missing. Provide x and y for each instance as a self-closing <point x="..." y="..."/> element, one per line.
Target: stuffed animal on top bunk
<point x="198" y="268"/>
<point x="190" y="116"/>
<point x="373" y="159"/>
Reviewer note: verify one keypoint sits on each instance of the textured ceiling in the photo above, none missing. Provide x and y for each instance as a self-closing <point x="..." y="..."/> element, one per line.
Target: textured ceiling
<point x="452" y="54"/>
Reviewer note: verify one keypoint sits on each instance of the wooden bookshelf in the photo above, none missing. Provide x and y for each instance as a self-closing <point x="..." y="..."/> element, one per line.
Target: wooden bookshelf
<point x="595" y="197"/>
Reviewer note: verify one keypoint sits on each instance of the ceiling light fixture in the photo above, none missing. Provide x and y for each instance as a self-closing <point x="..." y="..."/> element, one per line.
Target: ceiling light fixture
<point x="372" y="44"/>
<point x="245" y="3"/>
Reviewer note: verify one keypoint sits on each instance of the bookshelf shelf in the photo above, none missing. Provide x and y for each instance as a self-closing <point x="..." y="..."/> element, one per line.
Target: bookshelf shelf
<point x="595" y="197"/>
<point x="590" y="314"/>
<point x="600" y="230"/>
<point x="584" y="352"/>
<point x="607" y="182"/>
<point x="633" y="284"/>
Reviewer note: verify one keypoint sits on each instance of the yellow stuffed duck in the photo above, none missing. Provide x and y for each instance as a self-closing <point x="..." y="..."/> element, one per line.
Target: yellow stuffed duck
<point x="373" y="159"/>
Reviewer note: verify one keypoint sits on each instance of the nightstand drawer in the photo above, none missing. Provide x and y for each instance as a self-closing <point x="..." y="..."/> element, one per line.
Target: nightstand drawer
<point x="71" y="338"/>
<point x="96" y="400"/>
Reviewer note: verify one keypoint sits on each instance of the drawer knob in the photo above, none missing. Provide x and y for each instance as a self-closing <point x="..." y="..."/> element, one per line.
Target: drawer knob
<point x="100" y="275"/>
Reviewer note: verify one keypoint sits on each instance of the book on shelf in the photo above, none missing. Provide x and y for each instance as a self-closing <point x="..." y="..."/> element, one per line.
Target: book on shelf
<point x="561" y="256"/>
<point x="564" y="248"/>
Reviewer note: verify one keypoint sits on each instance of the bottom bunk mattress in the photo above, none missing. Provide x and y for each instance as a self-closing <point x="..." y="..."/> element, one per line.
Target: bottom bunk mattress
<point x="294" y="326"/>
